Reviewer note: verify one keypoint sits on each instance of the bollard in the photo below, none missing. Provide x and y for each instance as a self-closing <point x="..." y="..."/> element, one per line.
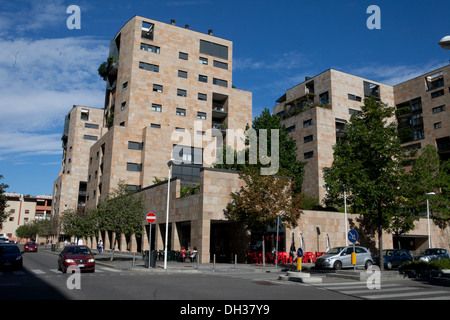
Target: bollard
<point x="354" y="260"/>
<point x="235" y="260"/>
<point x="214" y="263"/>
<point x="299" y="264"/>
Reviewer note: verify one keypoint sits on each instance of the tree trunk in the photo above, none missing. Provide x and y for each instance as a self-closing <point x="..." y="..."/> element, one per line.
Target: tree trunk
<point x="380" y="237"/>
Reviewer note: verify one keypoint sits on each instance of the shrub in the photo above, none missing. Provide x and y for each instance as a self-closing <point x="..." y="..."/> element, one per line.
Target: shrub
<point x="422" y="265"/>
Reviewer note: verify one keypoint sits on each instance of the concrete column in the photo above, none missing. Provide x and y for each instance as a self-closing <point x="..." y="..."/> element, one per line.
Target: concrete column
<point x="144" y="240"/>
<point x="123" y="243"/>
<point x="132" y="246"/>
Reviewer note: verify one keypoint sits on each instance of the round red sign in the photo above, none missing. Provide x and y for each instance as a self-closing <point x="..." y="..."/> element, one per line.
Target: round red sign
<point x="150" y="217"/>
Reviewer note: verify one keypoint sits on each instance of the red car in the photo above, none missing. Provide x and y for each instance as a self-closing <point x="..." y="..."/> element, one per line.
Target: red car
<point x="77" y="257"/>
<point x="30" y="246"/>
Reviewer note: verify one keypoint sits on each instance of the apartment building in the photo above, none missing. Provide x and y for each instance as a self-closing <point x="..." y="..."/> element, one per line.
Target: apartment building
<point x="316" y="111"/>
<point x="422" y="111"/>
<point x="24" y="209"/>
<point x="167" y="88"/>
<point x="82" y="128"/>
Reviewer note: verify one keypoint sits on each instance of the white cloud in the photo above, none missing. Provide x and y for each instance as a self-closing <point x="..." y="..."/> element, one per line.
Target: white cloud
<point x="286" y="61"/>
<point x="395" y="74"/>
<point x="40" y="80"/>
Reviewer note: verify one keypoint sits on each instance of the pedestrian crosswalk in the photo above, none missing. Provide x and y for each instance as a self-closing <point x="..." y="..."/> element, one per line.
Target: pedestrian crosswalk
<point x="46" y="272"/>
<point x="388" y="291"/>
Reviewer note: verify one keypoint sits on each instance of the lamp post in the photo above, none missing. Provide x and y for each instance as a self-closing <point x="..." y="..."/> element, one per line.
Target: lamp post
<point x="169" y="164"/>
<point x="345" y="217"/>
<point x="445" y="43"/>
<point x="428" y="217"/>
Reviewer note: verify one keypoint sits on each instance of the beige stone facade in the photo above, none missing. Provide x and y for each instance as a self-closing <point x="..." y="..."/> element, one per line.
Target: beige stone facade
<point x="83" y="127"/>
<point x="168" y="86"/>
<point x="24" y="209"/>
<point x="316" y="111"/>
<point x="423" y="111"/>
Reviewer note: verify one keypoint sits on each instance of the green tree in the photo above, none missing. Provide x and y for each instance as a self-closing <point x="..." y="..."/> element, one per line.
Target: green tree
<point x="289" y="166"/>
<point x="429" y="174"/>
<point x="121" y="212"/>
<point x="27" y="231"/>
<point x="262" y="199"/>
<point x="368" y="163"/>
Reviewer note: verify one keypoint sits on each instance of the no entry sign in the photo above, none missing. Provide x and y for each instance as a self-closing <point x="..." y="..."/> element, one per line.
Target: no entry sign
<point x="150" y="217"/>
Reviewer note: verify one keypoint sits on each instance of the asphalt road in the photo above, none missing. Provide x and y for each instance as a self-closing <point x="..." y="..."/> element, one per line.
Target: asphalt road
<point x="40" y="280"/>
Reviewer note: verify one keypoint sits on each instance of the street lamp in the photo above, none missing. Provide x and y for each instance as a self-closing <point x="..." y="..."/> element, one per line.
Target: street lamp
<point x="169" y="164"/>
<point x="428" y="217"/>
<point x="345" y="217"/>
<point x="445" y="43"/>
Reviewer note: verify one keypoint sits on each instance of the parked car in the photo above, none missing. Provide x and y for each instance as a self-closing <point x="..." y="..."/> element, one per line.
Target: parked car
<point x="340" y="257"/>
<point x="394" y="257"/>
<point x="78" y="256"/>
<point x="30" y="246"/>
<point x="10" y="256"/>
<point x="433" y="254"/>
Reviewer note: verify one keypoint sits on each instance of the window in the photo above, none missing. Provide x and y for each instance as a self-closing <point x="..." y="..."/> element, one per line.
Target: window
<point x="203" y="61"/>
<point x="84" y="114"/>
<point x="180" y="129"/>
<point x="438" y="109"/>
<point x="183" y="56"/>
<point x="214" y="49"/>
<point x="181" y="93"/>
<point x="219" y="82"/>
<point x="354" y="98"/>
<point x="290" y="129"/>
<point x="182" y="74"/>
<point x="147" y="30"/>
<point x="132" y="187"/>
<point x="438" y="125"/>
<point x="221" y="65"/>
<point x="435" y="81"/>
<point x="202" y="78"/>
<point x="123" y="106"/>
<point x="89" y="137"/>
<point x="202" y="97"/>
<point x="437" y="94"/>
<point x="136" y="167"/>
<point x="354" y="111"/>
<point x="181" y="112"/>
<point x="148" y="66"/>
<point x="324" y="98"/>
<point x="307" y="123"/>
<point x="156" y="107"/>
<point x="155" y="125"/>
<point x="308" y="155"/>
<point x="125" y="86"/>
<point x="157" y="88"/>
<point x="134" y="145"/>
<point x="371" y="90"/>
<point x="150" y="48"/>
<point x="201" y="115"/>
<point x="91" y="126"/>
<point x="308" y="139"/>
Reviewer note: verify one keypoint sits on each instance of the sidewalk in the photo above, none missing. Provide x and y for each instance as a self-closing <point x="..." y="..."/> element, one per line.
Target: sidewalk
<point x="126" y="261"/>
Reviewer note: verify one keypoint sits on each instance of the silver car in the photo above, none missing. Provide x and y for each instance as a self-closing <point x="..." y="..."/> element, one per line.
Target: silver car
<point x="341" y="257"/>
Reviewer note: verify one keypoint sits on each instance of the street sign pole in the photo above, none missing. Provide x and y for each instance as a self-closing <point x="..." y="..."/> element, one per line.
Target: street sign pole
<point x="353" y="237"/>
<point x="150" y="217"/>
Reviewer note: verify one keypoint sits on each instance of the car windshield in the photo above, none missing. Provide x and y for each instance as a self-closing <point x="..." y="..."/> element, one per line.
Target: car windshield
<point x="335" y="250"/>
<point x="9" y="249"/>
<point x="78" y="250"/>
<point x="388" y="253"/>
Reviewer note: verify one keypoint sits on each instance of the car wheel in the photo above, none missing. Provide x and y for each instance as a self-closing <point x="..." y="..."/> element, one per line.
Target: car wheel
<point x="337" y="265"/>
<point x="368" y="264"/>
<point x="389" y="265"/>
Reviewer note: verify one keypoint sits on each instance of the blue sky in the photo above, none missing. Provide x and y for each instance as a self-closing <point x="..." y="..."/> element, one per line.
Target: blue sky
<point x="45" y="68"/>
